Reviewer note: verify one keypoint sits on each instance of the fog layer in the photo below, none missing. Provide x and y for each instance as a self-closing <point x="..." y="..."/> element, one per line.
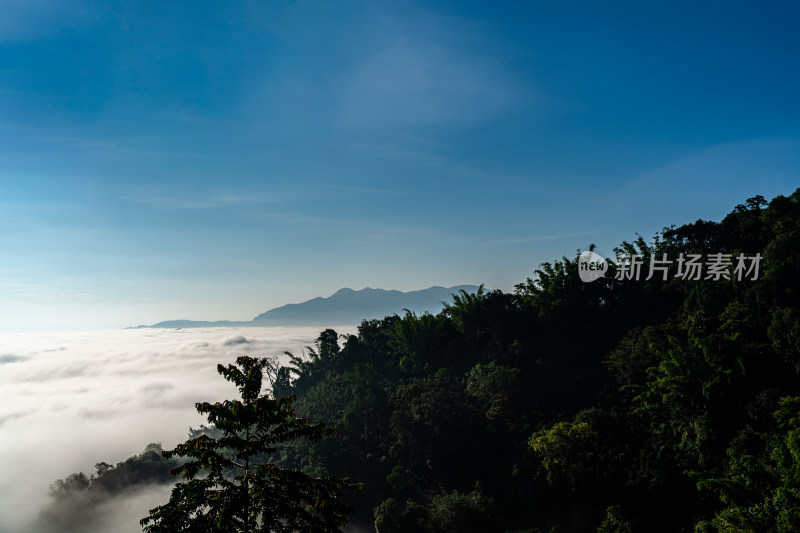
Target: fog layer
<point x="71" y="400"/>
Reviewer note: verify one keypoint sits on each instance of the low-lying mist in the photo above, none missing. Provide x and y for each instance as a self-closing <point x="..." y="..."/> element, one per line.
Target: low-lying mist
<point x="71" y="400"/>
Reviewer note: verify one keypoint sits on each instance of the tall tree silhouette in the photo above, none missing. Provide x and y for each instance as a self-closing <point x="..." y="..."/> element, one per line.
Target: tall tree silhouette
<point x="230" y="484"/>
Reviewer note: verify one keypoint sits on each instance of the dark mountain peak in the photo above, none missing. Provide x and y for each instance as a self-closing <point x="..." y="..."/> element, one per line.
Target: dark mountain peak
<point x="345" y="306"/>
<point x="345" y="290"/>
<point x="351" y="306"/>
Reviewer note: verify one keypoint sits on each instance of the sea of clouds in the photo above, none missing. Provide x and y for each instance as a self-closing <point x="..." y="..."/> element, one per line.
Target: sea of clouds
<point x="71" y="400"/>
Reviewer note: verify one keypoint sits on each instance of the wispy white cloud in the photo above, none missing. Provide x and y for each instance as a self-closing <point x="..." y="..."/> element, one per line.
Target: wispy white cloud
<point x="416" y="154"/>
<point x="34" y="19"/>
<point x="539" y="238"/>
<point x="214" y="201"/>
<point x="420" y="83"/>
<point x="300" y="218"/>
<point x="728" y="172"/>
<point x="418" y="74"/>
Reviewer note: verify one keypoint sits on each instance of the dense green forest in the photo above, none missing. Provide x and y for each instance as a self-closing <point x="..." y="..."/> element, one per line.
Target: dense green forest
<point x="613" y="406"/>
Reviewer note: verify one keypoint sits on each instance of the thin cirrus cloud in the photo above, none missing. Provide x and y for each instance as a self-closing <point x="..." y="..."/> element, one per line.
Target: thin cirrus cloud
<point x="201" y="202"/>
<point x="35" y="19"/>
<point x="416" y="82"/>
<point x="731" y="171"/>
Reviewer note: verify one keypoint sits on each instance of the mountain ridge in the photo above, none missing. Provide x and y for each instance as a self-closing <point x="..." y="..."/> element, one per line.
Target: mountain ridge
<point x="344" y="306"/>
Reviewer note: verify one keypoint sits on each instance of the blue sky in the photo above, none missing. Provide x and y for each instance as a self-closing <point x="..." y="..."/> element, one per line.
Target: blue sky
<point x="211" y="160"/>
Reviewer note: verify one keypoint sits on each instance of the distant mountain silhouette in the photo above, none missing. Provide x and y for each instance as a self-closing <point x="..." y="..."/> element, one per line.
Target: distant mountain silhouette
<point x="345" y="306"/>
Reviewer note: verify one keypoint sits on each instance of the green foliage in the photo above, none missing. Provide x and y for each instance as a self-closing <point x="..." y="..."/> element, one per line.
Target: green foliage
<point x="76" y="482"/>
<point x="144" y="469"/>
<point x="229" y="487"/>
<point x="492" y="385"/>
<point x="79" y="502"/>
<point x="416" y="340"/>
<point x="784" y="332"/>
<point x="566" y="453"/>
<point x="761" y="482"/>
<point x="387" y="517"/>
<point x="615" y="521"/>
<point x="456" y="512"/>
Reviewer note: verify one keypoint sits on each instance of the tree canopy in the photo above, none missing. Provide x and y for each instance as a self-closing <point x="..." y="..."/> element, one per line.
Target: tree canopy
<point x="230" y="485"/>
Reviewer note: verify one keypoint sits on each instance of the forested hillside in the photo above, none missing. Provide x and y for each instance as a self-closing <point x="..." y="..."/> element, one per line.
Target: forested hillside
<point x="617" y="405"/>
